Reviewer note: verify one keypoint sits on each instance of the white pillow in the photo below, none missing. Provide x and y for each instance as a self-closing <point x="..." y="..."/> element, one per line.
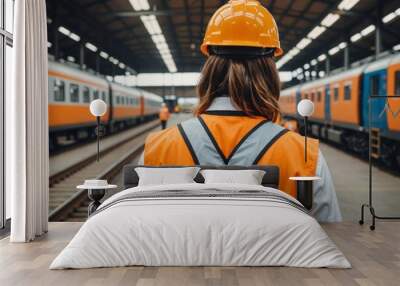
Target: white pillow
<point x="248" y="177"/>
<point x="166" y="176"/>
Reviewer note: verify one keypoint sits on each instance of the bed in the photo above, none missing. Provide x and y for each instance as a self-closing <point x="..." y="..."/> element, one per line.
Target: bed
<point x="197" y="224"/>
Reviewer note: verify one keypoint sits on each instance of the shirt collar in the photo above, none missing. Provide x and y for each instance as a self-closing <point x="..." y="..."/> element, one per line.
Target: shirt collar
<point x="222" y="104"/>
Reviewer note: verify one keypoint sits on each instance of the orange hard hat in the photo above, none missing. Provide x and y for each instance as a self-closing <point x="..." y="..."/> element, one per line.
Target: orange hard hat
<point x="242" y="23"/>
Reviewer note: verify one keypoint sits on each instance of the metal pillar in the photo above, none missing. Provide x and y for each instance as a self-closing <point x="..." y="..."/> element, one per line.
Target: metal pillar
<point x="56" y="44"/>
<point x="97" y="63"/>
<point x="82" y="56"/>
<point x="346" y="57"/>
<point x="327" y="65"/>
<point x="378" y="30"/>
<point x="316" y="71"/>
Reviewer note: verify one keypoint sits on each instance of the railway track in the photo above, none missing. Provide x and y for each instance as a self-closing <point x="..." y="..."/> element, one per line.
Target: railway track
<point x="68" y="203"/>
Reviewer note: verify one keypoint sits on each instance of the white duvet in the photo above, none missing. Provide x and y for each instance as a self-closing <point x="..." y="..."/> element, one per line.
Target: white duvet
<point x="203" y="231"/>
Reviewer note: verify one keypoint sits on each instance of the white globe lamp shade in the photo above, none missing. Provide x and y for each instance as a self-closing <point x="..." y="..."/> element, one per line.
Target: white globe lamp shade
<point x="305" y="108"/>
<point x="98" y="107"/>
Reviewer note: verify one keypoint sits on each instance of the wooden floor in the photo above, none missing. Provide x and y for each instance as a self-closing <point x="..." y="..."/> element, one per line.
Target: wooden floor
<point x="375" y="257"/>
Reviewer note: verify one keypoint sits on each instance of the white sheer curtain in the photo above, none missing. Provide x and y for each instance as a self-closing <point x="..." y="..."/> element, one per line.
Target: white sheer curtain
<point x="27" y="124"/>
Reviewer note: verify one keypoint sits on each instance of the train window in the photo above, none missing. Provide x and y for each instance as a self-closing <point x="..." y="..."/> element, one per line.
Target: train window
<point x="74" y="92"/>
<point x="117" y="99"/>
<point x="59" y="90"/>
<point x="397" y="83"/>
<point x="95" y="94"/>
<point x="319" y="96"/>
<point x="103" y="96"/>
<point x="312" y="97"/>
<point x="86" y="94"/>
<point x="336" y="93"/>
<point x="374" y="82"/>
<point x="347" y="92"/>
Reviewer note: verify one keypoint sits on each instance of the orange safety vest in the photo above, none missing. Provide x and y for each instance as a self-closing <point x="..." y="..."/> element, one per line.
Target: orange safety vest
<point x="227" y="133"/>
<point x="164" y="114"/>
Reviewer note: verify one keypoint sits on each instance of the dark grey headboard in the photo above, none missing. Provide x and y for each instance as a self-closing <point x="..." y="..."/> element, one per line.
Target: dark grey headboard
<point x="271" y="177"/>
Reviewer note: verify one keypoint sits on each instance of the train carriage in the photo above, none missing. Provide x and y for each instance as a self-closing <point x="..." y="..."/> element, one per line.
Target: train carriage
<point x="71" y="91"/>
<point x="342" y="112"/>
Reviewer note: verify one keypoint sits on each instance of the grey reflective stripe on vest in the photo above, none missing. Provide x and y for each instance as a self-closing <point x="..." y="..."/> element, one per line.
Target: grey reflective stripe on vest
<point x="248" y="153"/>
<point x="200" y="143"/>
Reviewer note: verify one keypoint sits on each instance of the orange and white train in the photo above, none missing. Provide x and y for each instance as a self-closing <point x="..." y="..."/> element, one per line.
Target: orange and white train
<point x="70" y="92"/>
<point x="342" y="112"/>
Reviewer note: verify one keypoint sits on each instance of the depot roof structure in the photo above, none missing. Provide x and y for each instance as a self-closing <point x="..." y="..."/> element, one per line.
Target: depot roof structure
<point x="138" y="36"/>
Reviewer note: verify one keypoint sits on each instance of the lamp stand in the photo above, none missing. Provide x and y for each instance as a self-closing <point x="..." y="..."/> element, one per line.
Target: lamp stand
<point x="98" y="137"/>
<point x="305" y="137"/>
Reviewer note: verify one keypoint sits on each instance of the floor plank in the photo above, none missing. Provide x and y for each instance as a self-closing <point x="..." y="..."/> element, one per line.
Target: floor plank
<point x="375" y="257"/>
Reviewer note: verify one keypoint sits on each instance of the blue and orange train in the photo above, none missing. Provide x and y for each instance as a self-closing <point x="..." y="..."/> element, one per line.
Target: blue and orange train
<point x="342" y="108"/>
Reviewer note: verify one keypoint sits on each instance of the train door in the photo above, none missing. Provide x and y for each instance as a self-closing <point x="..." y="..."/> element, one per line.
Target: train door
<point x="327" y="104"/>
<point x="298" y="96"/>
<point x="374" y="84"/>
<point x="142" y="111"/>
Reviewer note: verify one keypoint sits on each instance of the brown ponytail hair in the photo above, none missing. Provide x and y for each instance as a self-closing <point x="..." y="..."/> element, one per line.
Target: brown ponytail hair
<point x="252" y="84"/>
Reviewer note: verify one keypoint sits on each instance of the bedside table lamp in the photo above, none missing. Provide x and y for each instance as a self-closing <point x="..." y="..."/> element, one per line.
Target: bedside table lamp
<point x="305" y="184"/>
<point x="305" y="108"/>
<point x="98" y="108"/>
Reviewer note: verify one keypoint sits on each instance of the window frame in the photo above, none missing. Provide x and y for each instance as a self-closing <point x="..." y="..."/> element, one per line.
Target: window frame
<point x="396" y="90"/>
<point x="6" y="40"/>
<point x="374" y="84"/>
<point x="56" y="84"/>
<point x="346" y="87"/>
<point x="73" y="86"/>
<point x="335" y="93"/>
<point x="86" y="88"/>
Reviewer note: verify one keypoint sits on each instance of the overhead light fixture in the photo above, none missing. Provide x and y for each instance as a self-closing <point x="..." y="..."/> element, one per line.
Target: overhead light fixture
<point x="153" y="28"/>
<point x="71" y="59"/>
<point x="389" y="17"/>
<point x="330" y="19"/>
<point x="151" y="24"/>
<point x="49" y="45"/>
<point x="75" y="37"/>
<point x="158" y="39"/>
<point x="368" y="30"/>
<point x="334" y="50"/>
<point x="139" y="5"/>
<point x="299" y="70"/>
<point x="321" y="74"/>
<point x="303" y="43"/>
<point x="356" y="37"/>
<point x="104" y="55"/>
<point x="396" y="48"/>
<point x="64" y="31"/>
<point x="314" y="62"/>
<point x="327" y="22"/>
<point x="91" y="47"/>
<point x="306" y="66"/>
<point x="322" y="57"/>
<point x="293" y="52"/>
<point x="316" y="32"/>
<point x="346" y="5"/>
<point x="342" y="45"/>
<point x="122" y="65"/>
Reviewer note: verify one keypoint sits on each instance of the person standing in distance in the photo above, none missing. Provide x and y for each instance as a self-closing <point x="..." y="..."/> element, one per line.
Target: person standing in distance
<point x="164" y="115"/>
